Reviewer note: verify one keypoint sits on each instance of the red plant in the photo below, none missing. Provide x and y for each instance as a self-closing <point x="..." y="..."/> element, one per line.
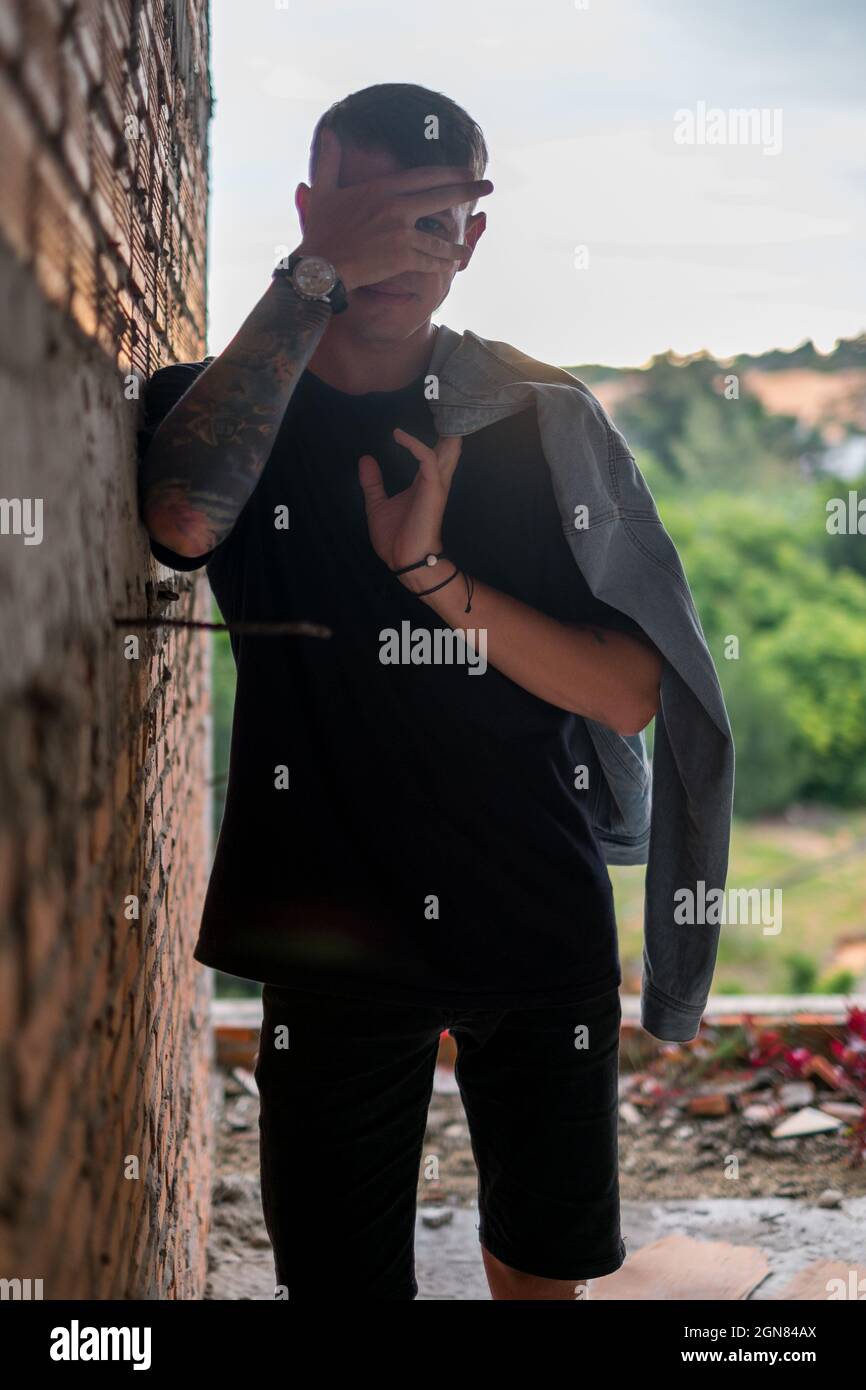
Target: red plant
<point x="768" y="1049"/>
<point x="675" y="1070"/>
<point x="850" y="1055"/>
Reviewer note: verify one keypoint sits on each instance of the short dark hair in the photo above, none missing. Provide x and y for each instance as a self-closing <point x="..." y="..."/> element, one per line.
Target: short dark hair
<point x="393" y="115"/>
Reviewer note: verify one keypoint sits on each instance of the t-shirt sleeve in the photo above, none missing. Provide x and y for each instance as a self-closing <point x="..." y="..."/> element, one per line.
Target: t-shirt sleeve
<point x="563" y="591"/>
<point x="163" y="391"/>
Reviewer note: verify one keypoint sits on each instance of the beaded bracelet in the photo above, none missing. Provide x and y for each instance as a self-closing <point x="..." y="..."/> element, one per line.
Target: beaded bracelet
<point x="419" y="564"/>
<point x="431" y="560"/>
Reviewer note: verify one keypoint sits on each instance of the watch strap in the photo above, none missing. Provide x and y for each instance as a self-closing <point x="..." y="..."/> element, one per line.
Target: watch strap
<point x="336" y="296"/>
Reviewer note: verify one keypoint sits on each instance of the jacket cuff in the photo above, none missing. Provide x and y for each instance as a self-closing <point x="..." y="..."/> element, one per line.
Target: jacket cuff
<point x="666" y="1019"/>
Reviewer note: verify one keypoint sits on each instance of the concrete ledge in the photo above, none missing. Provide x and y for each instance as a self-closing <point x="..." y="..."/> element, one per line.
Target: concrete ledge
<point x="829" y="1007"/>
<point x="817" y="1018"/>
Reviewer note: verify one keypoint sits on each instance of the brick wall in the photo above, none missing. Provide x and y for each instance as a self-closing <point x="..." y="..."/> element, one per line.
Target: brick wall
<point x="104" y="755"/>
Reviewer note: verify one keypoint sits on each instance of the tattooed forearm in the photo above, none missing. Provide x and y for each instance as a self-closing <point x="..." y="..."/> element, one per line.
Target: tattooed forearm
<point x="209" y="452"/>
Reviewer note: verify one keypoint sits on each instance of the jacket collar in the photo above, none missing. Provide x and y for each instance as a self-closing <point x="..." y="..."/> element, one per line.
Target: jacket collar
<point x="475" y="376"/>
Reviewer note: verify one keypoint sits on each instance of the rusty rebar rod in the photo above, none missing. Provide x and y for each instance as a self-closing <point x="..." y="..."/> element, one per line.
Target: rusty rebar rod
<point x="262" y="629"/>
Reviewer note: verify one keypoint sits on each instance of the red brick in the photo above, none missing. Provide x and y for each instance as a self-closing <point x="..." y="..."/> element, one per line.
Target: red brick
<point x="18" y="142"/>
<point x="103" y="144"/>
<point x="43" y="919"/>
<point x="49" y="1130"/>
<point x="11" y="986"/>
<point x="75" y="136"/>
<point x="11" y="32"/>
<point x="35" y="1050"/>
<point x="82" y="254"/>
<point x="52" y="239"/>
<point x="102" y="1048"/>
<point x="114" y="67"/>
<point x="87" y="34"/>
<point x="40" y="67"/>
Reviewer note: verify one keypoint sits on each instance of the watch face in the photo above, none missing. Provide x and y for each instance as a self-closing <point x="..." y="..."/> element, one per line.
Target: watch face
<point x="314" y="275"/>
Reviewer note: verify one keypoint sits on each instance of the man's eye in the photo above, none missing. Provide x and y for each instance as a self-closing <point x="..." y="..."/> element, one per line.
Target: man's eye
<point x="440" y="226"/>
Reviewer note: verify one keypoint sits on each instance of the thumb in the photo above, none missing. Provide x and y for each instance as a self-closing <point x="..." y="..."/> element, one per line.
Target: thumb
<point x="370" y="478"/>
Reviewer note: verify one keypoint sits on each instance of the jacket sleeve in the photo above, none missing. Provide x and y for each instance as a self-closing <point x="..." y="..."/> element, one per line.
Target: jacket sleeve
<point x="630" y="562"/>
<point x="689" y="836"/>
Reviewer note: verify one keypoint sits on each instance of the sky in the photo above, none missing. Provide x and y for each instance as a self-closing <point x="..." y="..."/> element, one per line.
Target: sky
<point x="614" y="232"/>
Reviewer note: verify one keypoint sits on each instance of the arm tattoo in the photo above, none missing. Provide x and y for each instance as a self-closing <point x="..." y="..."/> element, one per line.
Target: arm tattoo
<point x="597" y="632"/>
<point x="601" y="635"/>
<point x="209" y="452"/>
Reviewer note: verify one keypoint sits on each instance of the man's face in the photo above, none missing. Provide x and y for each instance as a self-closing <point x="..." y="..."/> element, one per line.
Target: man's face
<point x="394" y="309"/>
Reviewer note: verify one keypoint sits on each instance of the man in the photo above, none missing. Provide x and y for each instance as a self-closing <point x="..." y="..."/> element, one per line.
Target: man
<point x="405" y="846"/>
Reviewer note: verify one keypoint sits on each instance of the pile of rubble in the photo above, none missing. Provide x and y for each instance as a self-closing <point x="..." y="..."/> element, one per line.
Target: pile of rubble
<point x="822" y="1101"/>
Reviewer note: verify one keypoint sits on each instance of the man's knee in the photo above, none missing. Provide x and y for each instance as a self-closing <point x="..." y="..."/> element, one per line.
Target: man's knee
<point x="508" y="1283"/>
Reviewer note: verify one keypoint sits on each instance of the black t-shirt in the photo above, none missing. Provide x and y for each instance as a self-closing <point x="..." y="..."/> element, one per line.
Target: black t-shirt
<point x="430" y="844"/>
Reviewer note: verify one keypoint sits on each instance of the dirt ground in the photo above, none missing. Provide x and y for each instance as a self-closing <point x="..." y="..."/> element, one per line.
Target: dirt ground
<point x="663" y="1155"/>
<point x="670" y="1158"/>
<point x="667" y="1159"/>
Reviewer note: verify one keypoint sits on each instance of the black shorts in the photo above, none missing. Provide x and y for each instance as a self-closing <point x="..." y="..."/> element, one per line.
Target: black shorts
<point x="342" y="1122"/>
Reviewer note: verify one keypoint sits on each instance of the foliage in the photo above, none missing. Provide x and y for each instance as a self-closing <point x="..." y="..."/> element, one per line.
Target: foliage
<point x="683" y="415"/>
<point x="847" y="352"/>
<point x="794" y="681"/>
<point x="802" y="973"/>
<point x="743" y="497"/>
<point x="845" y="550"/>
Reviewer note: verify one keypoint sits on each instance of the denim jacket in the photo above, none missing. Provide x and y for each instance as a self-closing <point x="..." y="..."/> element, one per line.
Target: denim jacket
<point x="676" y="815"/>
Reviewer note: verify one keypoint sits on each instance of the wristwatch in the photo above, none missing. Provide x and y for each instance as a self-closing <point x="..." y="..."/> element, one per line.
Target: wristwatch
<point x="312" y="277"/>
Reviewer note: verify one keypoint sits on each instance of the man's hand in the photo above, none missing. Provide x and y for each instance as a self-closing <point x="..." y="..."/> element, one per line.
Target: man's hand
<point x="367" y="230"/>
<point x="608" y="676"/>
<point x="408" y="526"/>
